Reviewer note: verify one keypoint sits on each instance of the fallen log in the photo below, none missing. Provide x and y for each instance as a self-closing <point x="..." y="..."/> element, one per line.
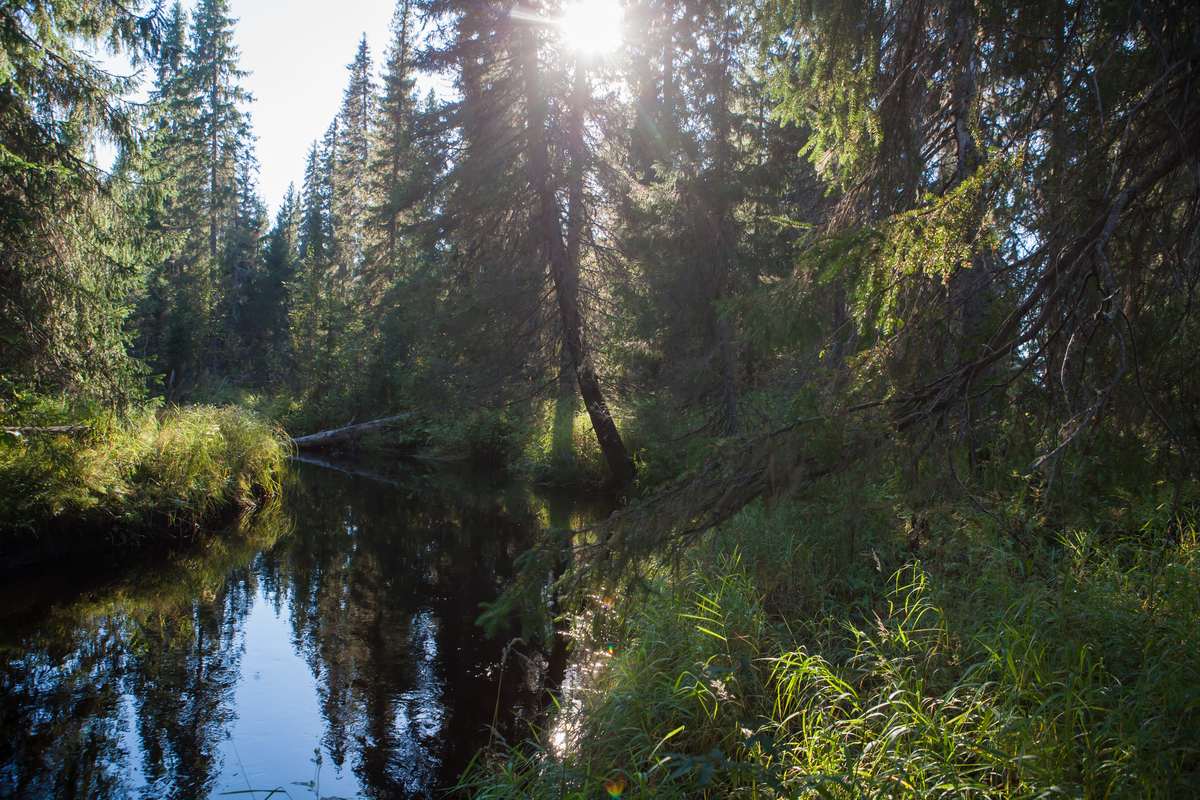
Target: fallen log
<point x="56" y="430"/>
<point x="326" y="438"/>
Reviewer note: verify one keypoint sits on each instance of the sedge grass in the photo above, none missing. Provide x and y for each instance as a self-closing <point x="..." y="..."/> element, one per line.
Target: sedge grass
<point x="787" y="656"/>
<point x="166" y="468"/>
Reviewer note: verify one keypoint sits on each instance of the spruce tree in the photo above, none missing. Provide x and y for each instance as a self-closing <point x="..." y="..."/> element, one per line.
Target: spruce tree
<point x="698" y="223"/>
<point x="204" y="148"/>
<point x="349" y="177"/>
<point x="398" y="179"/>
<point x="309" y="294"/>
<point x="1003" y="169"/>
<point x="70" y="248"/>
<point x="519" y="284"/>
<point x="267" y="295"/>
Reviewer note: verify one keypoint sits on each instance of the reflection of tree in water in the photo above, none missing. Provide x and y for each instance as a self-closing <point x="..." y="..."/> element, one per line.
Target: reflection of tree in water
<point x="385" y="619"/>
<point x="75" y="679"/>
<point x="60" y="725"/>
<point x="184" y="668"/>
<point x="136" y="676"/>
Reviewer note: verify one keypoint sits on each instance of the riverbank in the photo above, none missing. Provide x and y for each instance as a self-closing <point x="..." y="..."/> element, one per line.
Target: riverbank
<point x="156" y="473"/>
<point x="548" y="441"/>
<point x="816" y="652"/>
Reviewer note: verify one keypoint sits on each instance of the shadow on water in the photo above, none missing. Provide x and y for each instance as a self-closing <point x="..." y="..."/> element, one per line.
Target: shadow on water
<point x="328" y="649"/>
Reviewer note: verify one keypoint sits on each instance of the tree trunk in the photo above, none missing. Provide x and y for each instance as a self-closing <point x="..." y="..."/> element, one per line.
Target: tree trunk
<point x="55" y="430"/>
<point x="720" y="220"/>
<point x="563" y="271"/>
<point x="326" y="438"/>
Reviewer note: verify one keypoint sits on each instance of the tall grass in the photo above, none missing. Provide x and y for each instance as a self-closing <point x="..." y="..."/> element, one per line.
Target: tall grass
<point x="806" y="654"/>
<point x="169" y="467"/>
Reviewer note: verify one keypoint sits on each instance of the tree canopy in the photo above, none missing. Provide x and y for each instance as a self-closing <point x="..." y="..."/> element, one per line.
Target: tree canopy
<point x="967" y="230"/>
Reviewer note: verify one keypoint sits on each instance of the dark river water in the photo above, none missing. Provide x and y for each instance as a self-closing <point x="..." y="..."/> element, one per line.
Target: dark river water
<point x="327" y="649"/>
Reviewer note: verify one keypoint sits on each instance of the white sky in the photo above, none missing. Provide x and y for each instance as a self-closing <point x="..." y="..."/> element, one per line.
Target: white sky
<point x="297" y="53"/>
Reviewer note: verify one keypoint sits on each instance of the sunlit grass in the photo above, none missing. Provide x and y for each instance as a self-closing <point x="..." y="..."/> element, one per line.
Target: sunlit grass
<point x="564" y="450"/>
<point x="172" y="467"/>
<point x="788" y="657"/>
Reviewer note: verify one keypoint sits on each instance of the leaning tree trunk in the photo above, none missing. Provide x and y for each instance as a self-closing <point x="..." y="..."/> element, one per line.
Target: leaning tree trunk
<point x="564" y="271"/>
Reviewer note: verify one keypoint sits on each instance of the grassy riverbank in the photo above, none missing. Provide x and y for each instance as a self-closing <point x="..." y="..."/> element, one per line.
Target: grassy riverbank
<point x="815" y="652"/>
<point x="122" y="479"/>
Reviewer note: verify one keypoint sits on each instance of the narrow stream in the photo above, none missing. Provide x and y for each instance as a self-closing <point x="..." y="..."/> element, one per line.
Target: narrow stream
<point x="328" y="650"/>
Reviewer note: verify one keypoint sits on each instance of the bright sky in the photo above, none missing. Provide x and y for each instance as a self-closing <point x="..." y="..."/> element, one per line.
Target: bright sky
<point x="297" y="53"/>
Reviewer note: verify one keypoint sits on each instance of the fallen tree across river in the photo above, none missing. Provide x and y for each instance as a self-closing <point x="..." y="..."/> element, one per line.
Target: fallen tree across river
<point x="327" y="438"/>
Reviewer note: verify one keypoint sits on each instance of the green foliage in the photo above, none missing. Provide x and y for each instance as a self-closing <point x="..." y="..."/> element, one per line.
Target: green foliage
<point x="564" y="452"/>
<point x="192" y="315"/>
<point x="73" y="244"/>
<point x="484" y="436"/>
<point x="810" y="651"/>
<point x="667" y="444"/>
<point x="877" y="263"/>
<point x="167" y="467"/>
<point x="818" y="41"/>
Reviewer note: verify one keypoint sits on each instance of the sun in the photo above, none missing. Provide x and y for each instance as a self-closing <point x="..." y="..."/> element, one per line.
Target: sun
<point x="592" y="26"/>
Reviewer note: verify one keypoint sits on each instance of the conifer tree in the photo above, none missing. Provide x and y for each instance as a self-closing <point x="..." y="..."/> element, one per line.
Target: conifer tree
<point x="518" y="266"/>
<point x="704" y="180"/>
<point x="396" y="174"/>
<point x="267" y="294"/>
<point x="69" y="248"/>
<point x="309" y="293"/>
<point x="1002" y="170"/>
<point x="219" y="130"/>
<point x="203" y="144"/>
<point x="351" y="165"/>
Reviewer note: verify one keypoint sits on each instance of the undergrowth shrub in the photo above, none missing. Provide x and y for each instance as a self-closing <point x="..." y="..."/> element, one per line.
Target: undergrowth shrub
<point x="484" y="436"/>
<point x="563" y="450"/>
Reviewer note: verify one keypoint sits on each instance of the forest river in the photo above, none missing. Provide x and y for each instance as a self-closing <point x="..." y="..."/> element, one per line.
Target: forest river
<point x="328" y="649"/>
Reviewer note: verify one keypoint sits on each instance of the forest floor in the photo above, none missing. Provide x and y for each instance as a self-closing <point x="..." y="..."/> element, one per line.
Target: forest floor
<point x="124" y="480"/>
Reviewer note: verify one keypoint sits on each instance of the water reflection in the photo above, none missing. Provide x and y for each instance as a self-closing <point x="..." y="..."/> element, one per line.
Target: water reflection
<point x="340" y="660"/>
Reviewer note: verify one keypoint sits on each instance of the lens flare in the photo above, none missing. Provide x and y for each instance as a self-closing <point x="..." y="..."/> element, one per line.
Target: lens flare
<point x="615" y="786"/>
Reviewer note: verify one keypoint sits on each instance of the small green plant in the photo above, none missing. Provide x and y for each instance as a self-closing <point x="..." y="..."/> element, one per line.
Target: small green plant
<point x="838" y="649"/>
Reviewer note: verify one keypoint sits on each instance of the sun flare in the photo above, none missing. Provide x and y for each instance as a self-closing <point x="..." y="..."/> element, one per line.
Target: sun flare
<point x="592" y="25"/>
